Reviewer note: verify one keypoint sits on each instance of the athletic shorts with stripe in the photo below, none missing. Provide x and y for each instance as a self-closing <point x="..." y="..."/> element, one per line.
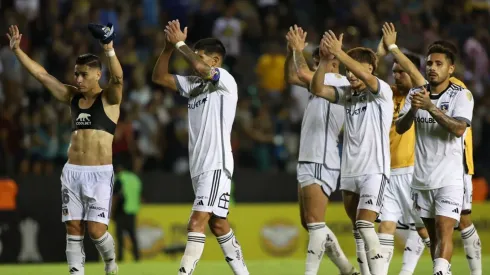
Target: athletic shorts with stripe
<point x="212" y="192"/>
<point x="370" y="189"/>
<point x="86" y="193"/>
<point x="316" y="173"/>
<point x="468" y="193"/>
<point x="445" y="201"/>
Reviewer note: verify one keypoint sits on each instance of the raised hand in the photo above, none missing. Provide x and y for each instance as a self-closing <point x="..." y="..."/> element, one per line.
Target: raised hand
<point x="421" y="100"/>
<point x="296" y="38"/>
<point x="333" y="44"/>
<point x="173" y="32"/>
<point x="382" y="50"/>
<point x="389" y="34"/>
<point x="14" y="37"/>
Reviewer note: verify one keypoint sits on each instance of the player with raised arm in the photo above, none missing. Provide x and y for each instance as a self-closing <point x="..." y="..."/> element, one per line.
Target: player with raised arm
<point x="398" y="203"/>
<point x="213" y="96"/>
<point x="318" y="169"/>
<point x="365" y="167"/>
<point x="87" y="177"/>
<point x="442" y="112"/>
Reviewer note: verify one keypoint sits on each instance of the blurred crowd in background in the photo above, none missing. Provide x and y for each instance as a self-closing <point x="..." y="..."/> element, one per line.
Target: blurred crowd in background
<point x="152" y="130"/>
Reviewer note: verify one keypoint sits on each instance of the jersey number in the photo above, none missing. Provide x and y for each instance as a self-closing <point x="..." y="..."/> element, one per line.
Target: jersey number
<point x="64" y="196"/>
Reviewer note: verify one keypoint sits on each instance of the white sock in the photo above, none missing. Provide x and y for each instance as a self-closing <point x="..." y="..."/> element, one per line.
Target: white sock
<point x="316" y="244"/>
<point x="192" y="253"/>
<point x="233" y="253"/>
<point x="426" y="242"/>
<point x="387" y="243"/>
<point x="105" y="246"/>
<point x="335" y="253"/>
<point x="75" y="254"/>
<point x="361" y="254"/>
<point x="472" y="248"/>
<point x="414" y="248"/>
<point x="373" y="248"/>
<point x="441" y="266"/>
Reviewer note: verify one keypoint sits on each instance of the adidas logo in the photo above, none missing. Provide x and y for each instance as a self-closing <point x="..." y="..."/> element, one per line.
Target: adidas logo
<point x="468" y="257"/>
<point x="359" y="261"/>
<point x="369" y="202"/>
<point x="456" y="210"/>
<point x="182" y="270"/>
<point x="200" y="203"/>
<point x="101" y="215"/>
<point x="311" y="252"/>
<point x="408" y="249"/>
<point x="438" y="273"/>
<point x="73" y="270"/>
<point x="377" y="257"/>
<point x="228" y="259"/>
<point x="328" y="238"/>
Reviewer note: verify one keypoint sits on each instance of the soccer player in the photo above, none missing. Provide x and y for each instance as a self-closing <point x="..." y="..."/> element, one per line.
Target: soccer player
<point x="365" y="168"/>
<point x="213" y="96"/>
<point x="442" y="111"/>
<point x="398" y="202"/>
<point x="87" y="177"/>
<point x="319" y="161"/>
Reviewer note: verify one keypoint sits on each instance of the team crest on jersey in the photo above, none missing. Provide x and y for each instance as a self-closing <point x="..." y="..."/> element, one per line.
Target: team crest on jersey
<point x="444" y="106"/>
<point x="362" y="98"/>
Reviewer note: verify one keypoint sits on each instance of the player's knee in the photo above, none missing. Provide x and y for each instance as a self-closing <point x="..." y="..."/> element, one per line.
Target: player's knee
<point x="198" y="222"/>
<point x="219" y="226"/>
<point x="96" y="230"/>
<point x="366" y="215"/>
<point x="465" y="220"/>
<point x="387" y="227"/>
<point x="75" y="228"/>
<point x="445" y="227"/>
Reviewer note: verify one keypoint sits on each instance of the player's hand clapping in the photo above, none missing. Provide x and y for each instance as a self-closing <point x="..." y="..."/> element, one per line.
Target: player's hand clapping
<point x="334" y="44"/>
<point x="14" y="37"/>
<point x="421" y="100"/>
<point x="324" y="52"/>
<point x="389" y="34"/>
<point x="296" y="38"/>
<point x="173" y="32"/>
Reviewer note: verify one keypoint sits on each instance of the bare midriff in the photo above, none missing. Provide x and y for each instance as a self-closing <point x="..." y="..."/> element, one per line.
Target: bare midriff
<point x="90" y="148"/>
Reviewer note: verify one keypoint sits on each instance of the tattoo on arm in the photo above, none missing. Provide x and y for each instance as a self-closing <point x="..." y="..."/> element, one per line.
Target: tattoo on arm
<point x="300" y="61"/>
<point x="454" y="126"/>
<point x="195" y="61"/>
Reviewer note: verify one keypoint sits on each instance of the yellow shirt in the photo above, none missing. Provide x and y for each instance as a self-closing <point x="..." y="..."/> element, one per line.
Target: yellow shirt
<point x="270" y="72"/>
<point x="402" y="147"/>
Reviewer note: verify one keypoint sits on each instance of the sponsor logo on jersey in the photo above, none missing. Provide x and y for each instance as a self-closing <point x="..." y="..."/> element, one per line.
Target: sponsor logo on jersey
<point x="83" y="119"/>
<point x="356" y="111"/>
<point x="424" y="120"/>
<point x="197" y="103"/>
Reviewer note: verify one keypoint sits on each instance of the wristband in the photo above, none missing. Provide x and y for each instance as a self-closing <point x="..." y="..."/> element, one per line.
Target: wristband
<point x="179" y="44"/>
<point x="392" y="46"/>
<point x="110" y="53"/>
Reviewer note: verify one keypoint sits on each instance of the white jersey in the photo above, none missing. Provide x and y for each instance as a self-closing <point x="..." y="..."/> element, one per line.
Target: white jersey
<point x="322" y="123"/>
<point x="212" y="107"/>
<point x="368" y="118"/>
<point x="438" y="153"/>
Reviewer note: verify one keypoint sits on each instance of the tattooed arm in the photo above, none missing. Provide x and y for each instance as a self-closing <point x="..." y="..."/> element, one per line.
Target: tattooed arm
<point x="453" y="125"/>
<point x="302" y="69"/>
<point x="204" y="70"/>
<point x="290" y="74"/>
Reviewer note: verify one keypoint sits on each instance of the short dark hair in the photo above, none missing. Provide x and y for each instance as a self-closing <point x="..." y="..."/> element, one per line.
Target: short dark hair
<point x="446" y="44"/>
<point x="439" y="48"/>
<point x="91" y="60"/>
<point x="316" y="53"/>
<point x="211" y="45"/>
<point x="364" y="55"/>
<point x="415" y="60"/>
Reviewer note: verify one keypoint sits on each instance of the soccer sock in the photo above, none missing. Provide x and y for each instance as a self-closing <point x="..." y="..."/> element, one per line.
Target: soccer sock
<point x="361" y="253"/>
<point x="335" y="253"/>
<point x="316" y="244"/>
<point x="233" y="253"/>
<point x="75" y="254"/>
<point x="472" y="248"/>
<point x="106" y="248"/>
<point x="441" y="266"/>
<point x="373" y="248"/>
<point x="192" y="253"/>
<point x="426" y="242"/>
<point x="387" y="243"/>
<point x="414" y="247"/>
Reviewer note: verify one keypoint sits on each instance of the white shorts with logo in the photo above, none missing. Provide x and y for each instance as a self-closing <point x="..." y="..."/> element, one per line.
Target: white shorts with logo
<point x="468" y="192"/>
<point x="445" y="201"/>
<point x="86" y="193"/>
<point x="212" y="192"/>
<point x="316" y="173"/>
<point x="398" y="202"/>
<point x="370" y="189"/>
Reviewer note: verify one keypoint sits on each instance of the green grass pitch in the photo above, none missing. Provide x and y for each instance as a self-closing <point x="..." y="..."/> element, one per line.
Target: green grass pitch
<point x="266" y="267"/>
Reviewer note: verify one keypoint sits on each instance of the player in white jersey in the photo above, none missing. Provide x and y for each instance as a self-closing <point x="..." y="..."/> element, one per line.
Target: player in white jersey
<point x="365" y="167"/>
<point x="318" y="169"/>
<point x="442" y="111"/>
<point x="213" y="96"/>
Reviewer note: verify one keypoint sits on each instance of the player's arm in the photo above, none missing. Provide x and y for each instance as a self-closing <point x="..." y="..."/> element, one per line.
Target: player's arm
<point x="290" y="71"/>
<point x="298" y="69"/>
<point x="455" y="126"/>
<point x="160" y="73"/>
<point x="304" y="73"/>
<point x="335" y="47"/>
<point x="389" y="40"/>
<point x="115" y="88"/>
<point x="407" y="114"/>
<point x="204" y="71"/>
<point x="460" y="118"/>
<point x="318" y="87"/>
<point x="60" y="91"/>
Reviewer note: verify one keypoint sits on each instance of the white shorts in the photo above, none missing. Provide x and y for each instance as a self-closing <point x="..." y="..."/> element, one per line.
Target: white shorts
<point x="212" y="192"/>
<point x="398" y="203"/>
<point x="445" y="201"/>
<point x="86" y="193"/>
<point x="370" y="189"/>
<point x="316" y="173"/>
<point x="468" y="193"/>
